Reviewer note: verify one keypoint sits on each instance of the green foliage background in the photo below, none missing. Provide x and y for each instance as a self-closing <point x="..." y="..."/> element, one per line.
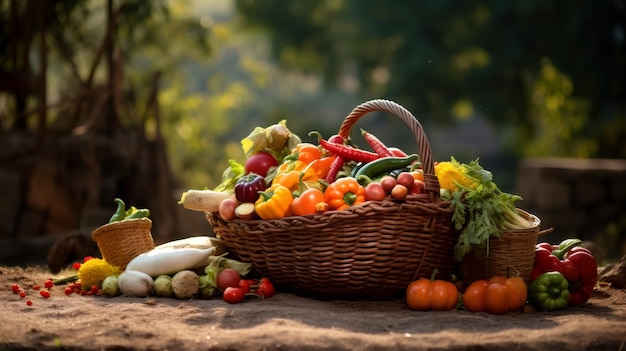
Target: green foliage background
<point x="547" y="76"/>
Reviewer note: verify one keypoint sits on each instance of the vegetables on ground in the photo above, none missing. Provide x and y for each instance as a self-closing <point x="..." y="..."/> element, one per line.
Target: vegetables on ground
<point x="110" y="286"/>
<point x="233" y="295"/>
<point x="226" y="278"/>
<point x="274" y="203"/>
<point x="94" y="271"/>
<point x="574" y="261"/>
<point x="343" y="193"/>
<point x="185" y="284"/>
<point x="498" y="295"/>
<point x="135" y="283"/>
<point x="265" y="288"/>
<point x="481" y="209"/>
<point x="248" y="187"/>
<point x="163" y="286"/>
<point x="169" y="261"/>
<point x="430" y="294"/>
<point x="203" y="200"/>
<point x="549" y="291"/>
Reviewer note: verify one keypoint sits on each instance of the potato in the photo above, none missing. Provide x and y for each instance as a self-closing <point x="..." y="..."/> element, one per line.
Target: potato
<point x="227" y="209"/>
<point x="246" y="211"/>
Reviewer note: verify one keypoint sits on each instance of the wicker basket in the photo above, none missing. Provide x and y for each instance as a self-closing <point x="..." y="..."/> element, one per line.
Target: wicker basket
<point x="511" y="254"/>
<point x="371" y="251"/>
<point x="120" y="242"/>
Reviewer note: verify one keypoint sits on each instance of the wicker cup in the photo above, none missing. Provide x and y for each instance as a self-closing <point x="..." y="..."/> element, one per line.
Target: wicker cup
<point x="511" y="254"/>
<point x="370" y="251"/>
<point x="120" y="242"/>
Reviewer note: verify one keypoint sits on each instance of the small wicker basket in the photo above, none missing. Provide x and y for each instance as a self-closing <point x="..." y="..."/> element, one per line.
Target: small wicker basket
<point x="370" y="251"/>
<point x="120" y="242"/>
<point x="511" y="254"/>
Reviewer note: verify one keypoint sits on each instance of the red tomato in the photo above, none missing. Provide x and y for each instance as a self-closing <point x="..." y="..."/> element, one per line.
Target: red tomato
<point x="228" y="277"/>
<point x="260" y="163"/>
<point x="233" y="295"/>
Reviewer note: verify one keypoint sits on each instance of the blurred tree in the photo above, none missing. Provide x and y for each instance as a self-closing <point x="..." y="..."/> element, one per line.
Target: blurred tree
<point x="454" y="59"/>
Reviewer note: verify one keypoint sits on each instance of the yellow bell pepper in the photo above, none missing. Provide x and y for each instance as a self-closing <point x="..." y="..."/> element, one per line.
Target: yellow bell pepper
<point x="274" y="203"/>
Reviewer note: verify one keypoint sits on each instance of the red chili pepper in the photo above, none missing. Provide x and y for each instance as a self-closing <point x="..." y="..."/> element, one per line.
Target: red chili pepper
<point x="377" y="145"/>
<point x="574" y="261"/>
<point x="348" y="153"/>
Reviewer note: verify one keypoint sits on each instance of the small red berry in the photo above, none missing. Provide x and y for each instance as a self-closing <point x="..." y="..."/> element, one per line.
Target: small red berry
<point x="94" y="289"/>
<point x="76" y="265"/>
<point x="29" y="302"/>
<point x="36" y="287"/>
<point x="49" y="284"/>
<point x="68" y="291"/>
<point x="15" y="288"/>
<point x="22" y="294"/>
<point x="87" y="258"/>
<point x="44" y="293"/>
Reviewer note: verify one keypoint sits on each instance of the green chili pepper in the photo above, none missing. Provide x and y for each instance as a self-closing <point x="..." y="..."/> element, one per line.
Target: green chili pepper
<point x="549" y="291"/>
<point x="120" y="213"/>
<point x="384" y="165"/>
<point x="139" y="213"/>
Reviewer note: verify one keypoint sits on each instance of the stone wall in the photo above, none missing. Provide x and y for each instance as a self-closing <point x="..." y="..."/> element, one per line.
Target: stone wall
<point x="583" y="198"/>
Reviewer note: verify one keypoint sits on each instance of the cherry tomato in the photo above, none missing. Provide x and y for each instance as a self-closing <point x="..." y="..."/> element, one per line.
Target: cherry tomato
<point x="49" y="284"/>
<point x="374" y="192"/>
<point x="44" y="293"/>
<point x="260" y="163"/>
<point x="233" y="295"/>
<point x="266" y="288"/>
<point x="244" y="284"/>
<point x="15" y="288"/>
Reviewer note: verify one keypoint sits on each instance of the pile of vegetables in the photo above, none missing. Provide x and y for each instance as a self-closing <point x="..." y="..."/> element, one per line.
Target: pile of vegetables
<point x="564" y="275"/>
<point x="185" y="268"/>
<point x="283" y="176"/>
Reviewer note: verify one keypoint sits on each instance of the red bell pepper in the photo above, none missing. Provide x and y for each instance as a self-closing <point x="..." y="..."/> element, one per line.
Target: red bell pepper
<point x="574" y="261"/>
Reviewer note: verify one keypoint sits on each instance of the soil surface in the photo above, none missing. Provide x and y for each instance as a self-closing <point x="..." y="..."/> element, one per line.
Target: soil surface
<point x="288" y="322"/>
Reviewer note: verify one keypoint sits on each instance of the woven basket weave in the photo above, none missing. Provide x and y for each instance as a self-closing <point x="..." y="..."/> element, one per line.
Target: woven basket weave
<point x="369" y="251"/>
<point x="511" y="254"/>
<point x="120" y="242"/>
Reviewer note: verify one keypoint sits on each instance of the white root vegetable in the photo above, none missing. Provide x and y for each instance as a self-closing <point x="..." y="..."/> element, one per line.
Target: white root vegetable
<point x="196" y="242"/>
<point x="203" y="200"/>
<point x="134" y="283"/>
<point x="185" y="284"/>
<point x="168" y="261"/>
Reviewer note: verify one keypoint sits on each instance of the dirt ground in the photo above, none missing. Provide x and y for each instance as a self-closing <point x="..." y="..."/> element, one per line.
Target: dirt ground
<point x="289" y="322"/>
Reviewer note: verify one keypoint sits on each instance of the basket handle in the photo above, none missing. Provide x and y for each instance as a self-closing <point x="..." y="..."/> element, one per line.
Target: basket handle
<point x="430" y="180"/>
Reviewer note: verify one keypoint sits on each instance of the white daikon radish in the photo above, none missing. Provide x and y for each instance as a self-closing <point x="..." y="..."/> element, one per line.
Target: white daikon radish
<point x="196" y="242"/>
<point x="168" y="261"/>
<point x="203" y="200"/>
<point x="135" y="283"/>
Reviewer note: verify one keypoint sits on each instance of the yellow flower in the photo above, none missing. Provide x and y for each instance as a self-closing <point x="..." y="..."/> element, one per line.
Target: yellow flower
<point x="94" y="271"/>
<point x="452" y="175"/>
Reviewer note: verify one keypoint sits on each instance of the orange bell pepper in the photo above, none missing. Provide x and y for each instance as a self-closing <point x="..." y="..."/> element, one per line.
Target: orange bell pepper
<point x="291" y="176"/>
<point x="343" y="193"/>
